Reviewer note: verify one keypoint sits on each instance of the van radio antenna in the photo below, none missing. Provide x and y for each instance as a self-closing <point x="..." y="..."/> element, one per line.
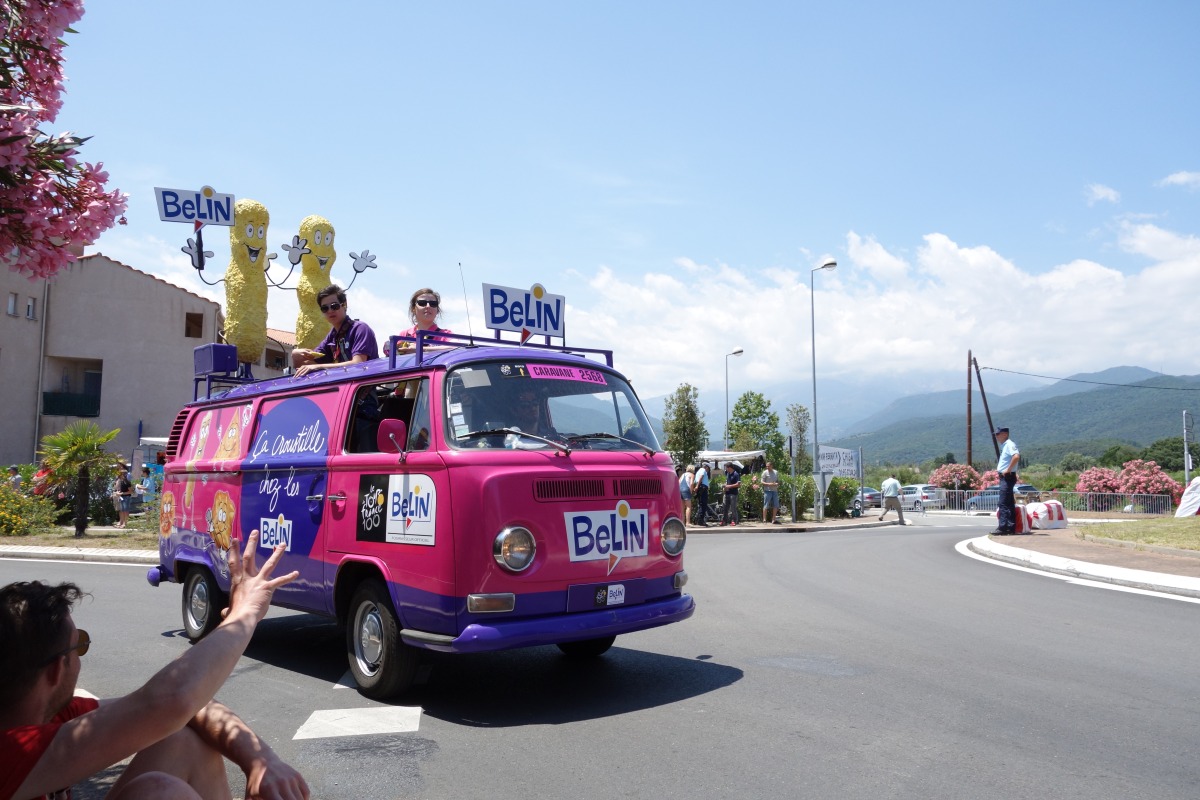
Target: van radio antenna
<point x="465" y="304"/>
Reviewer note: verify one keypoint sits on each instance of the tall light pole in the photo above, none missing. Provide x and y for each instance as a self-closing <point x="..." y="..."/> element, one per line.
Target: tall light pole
<point x="819" y="503"/>
<point x="737" y="352"/>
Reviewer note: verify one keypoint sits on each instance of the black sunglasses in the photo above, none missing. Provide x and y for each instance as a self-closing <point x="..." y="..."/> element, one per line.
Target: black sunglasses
<point x="330" y="307"/>
<point x="82" y="645"/>
<point x="423" y="303"/>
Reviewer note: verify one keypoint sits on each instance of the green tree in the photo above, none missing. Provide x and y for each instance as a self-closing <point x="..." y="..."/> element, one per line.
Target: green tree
<point x="1117" y="455"/>
<point x="1076" y="462"/>
<point x="1168" y="453"/>
<point x="78" y="450"/>
<point x="798" y="420"/>
<point x="752" y="421"/>
<point x="683" y="424"/>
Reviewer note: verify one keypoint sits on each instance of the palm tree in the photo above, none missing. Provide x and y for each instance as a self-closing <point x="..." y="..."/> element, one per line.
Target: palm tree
<point x="76" y="450"/>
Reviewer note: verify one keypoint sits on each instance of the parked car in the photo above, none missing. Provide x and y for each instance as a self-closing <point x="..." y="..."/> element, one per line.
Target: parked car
<point x="920" y="496"/>
<point x="868" y="498"/>
<point x="989" y="498"/>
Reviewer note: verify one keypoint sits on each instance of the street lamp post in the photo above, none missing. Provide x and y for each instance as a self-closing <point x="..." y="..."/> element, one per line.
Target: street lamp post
<point x="819" y="503"/>
<point x="725" y="441"/>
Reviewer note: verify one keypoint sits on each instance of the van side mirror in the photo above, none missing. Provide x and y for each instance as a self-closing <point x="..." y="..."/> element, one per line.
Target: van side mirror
<point x="392" y="436"/>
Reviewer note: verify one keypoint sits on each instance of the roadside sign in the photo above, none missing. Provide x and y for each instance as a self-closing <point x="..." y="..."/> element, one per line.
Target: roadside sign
<point x="203" y="207"/>
<point x="529" y="312"/>
<point x="839" y="462"/>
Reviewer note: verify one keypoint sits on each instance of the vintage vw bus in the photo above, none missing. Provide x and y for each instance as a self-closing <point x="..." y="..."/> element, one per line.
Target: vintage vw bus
<point x="456" y="498"/>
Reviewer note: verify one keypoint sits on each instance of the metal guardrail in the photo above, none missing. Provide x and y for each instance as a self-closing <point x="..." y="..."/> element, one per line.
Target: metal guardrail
<point x="64" y="404"/>
<point x="970" y="500"/>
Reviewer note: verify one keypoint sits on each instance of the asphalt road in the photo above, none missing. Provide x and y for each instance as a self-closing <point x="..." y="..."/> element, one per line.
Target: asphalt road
<point x="870" y="663"/>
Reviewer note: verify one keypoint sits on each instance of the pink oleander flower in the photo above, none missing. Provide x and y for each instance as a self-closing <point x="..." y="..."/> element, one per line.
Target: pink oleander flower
<point x="956" y="476"/>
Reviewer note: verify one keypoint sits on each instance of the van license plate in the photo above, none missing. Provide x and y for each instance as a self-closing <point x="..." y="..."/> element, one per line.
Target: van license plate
<point x="604" y="595"/>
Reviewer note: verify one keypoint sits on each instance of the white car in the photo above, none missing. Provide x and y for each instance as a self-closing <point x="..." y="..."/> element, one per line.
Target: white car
<point x="920" y="496"/>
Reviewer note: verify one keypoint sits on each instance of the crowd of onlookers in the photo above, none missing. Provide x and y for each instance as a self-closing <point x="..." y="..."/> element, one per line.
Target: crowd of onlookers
<point x="696" y="483"/>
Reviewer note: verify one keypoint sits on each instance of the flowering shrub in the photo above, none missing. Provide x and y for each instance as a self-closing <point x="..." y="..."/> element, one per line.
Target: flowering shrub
<point x="1098" y="479"/>
<point x="956" y="476"/>
<point x="48" y="199"/>
<point x="840" y="494"/>
<point x="1146" y="477"/>
<point x="990" y="478"/>
<point x="20" y="514"/>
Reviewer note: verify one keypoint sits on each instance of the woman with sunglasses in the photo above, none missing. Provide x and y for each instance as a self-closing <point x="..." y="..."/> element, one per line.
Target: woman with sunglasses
<point x="423" y="309"/>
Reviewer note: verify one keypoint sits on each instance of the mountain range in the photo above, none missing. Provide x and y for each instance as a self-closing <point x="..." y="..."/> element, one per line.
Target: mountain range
<point x="1084" y="413"/>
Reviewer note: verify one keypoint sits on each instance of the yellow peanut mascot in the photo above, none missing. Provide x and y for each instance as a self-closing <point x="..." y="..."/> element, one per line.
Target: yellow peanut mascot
<point x="246" y="281"/>
<point x="315" y="266"/>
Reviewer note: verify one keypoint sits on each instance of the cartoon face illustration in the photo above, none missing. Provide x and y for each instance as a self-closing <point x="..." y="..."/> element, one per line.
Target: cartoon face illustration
<point x="220" y="519"/>
<point x="231" y="443"/>
<point x="166" y="514"/>
<point x="201" y="435"/>
<point x="248" y="234"/>
<point x="318" y="232"/>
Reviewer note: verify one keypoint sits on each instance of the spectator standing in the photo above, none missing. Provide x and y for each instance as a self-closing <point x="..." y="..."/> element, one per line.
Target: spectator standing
<point x="14" y="478"/>
<point x="770" y="487"/>
<point x="700" y="489"/>
<point x="1010" y="456"/>
<point x="124" y="498"/>
<point x="685" y="489"/>
<point x="41" y="478"/>
<point x="890" y="492"/>
<point x="733" y="482"/>
<point x="145" y="487"/>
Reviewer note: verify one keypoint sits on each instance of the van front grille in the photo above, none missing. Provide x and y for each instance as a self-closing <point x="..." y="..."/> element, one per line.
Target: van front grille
<point x="637" y="487"/>
<point x="550" y="490"/>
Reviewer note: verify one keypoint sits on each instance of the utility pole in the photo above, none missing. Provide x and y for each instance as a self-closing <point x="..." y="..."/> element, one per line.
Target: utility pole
<point x="983" y="397"/>
<point x="968" y="408"/>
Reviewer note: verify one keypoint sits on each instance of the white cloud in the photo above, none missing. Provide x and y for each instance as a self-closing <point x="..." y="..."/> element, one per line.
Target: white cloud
<point x="878" y="314"/>
<point x="1188" y="180"/>
<point x="1096" y="192"/>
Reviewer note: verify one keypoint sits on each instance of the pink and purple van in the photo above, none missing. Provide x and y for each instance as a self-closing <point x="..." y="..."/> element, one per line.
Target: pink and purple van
<point x="454" y="498"/>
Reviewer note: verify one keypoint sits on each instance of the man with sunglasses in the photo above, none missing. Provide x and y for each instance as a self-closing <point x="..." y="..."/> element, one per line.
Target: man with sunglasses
<point x="177" y="734"/>
<point x="349" y="341"/>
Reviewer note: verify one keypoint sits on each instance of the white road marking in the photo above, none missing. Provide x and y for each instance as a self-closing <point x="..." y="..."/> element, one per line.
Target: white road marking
<point x="360" y="721"/>
<point x="962" y="548"/>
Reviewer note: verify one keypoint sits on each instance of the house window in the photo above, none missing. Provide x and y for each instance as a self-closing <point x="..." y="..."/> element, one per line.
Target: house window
<point x="12" y="304"/>
<point x="31" y="308"/>
<point x="193" y="326"/>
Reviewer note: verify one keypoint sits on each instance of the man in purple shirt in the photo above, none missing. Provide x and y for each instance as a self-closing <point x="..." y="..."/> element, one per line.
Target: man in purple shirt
<point x="349" y="341"/>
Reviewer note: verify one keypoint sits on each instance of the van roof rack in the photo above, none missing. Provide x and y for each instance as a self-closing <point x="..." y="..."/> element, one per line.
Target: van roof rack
<point x="423" y="339"/>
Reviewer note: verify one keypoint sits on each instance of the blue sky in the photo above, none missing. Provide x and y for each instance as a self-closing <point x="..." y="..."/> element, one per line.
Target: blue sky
<point x="1018" y="179"/>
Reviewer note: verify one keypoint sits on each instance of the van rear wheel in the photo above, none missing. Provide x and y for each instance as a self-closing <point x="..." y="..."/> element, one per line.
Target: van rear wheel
<point x="381" y="664"/>
<point x="202" y="603"/>
<point x="588" y="648"/>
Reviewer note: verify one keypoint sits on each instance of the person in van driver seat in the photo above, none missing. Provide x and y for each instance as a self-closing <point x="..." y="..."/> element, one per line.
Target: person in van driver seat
<point x="349" y="341"/>
<point x="529" y="414"/>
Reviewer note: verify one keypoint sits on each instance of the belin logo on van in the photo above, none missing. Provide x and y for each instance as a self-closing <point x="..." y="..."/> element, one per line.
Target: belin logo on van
<point x="607" y="535"/>
<point x="275" y="532"/>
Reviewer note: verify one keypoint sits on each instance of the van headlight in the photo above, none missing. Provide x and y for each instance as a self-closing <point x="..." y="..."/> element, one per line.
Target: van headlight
<point x="514" y="549"/>
<point x="674" y="536"/>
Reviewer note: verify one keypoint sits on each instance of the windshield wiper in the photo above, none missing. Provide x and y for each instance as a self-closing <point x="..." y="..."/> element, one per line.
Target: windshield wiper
<point x="642" y="445"/>
<point x="516" y="432"/>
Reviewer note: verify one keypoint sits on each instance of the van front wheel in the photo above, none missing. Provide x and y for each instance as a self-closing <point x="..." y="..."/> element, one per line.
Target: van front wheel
<point x="588" y="648"/>
<point x="381" y="664"/>
<point x="202" y="603"/>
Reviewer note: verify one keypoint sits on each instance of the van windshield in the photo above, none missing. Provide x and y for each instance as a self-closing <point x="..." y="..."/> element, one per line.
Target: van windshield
<point x="531" y="405"/>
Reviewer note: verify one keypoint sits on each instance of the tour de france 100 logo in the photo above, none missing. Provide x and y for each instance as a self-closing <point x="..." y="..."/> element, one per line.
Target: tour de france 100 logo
<point x="398" y="509"/>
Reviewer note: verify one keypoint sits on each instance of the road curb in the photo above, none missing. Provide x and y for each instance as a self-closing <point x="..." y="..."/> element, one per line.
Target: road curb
<point x="1120" y="576"/>
<point x="92" y="554"/>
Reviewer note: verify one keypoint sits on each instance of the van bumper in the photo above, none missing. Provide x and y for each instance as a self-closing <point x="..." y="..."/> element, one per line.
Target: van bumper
<point x="505" y="635"/>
